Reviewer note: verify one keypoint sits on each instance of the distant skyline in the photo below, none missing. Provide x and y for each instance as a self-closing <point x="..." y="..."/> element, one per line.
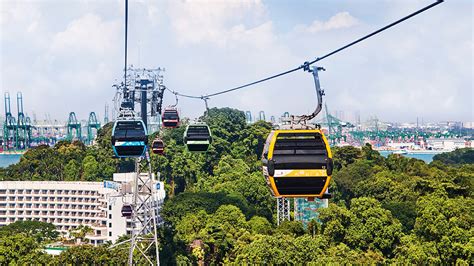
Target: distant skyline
<point x="65" y="55"/>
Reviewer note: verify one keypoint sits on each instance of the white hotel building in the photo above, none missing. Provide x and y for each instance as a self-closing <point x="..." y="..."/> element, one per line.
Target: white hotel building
<point x="70" y="204"/>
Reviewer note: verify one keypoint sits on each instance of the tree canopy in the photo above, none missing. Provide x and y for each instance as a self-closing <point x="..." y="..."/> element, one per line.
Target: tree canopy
<point x="219" y="210"/>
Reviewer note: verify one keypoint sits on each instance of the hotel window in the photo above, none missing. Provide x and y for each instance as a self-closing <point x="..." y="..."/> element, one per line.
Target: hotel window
<point x="110" y="234"/>
<point x="110" y="224"/>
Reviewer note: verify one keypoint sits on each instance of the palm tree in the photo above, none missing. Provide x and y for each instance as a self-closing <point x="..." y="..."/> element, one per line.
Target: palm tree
<point x="80" y="232"/>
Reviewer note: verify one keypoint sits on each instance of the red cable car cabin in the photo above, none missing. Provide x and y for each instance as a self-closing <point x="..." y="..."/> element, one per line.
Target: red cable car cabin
<point x="170" y="117"/>
<point x="158" y="147"/>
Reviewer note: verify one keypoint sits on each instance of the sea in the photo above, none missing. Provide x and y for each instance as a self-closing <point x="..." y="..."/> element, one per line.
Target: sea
<point x="427" y="157"/>
<point x="7" y="159"/>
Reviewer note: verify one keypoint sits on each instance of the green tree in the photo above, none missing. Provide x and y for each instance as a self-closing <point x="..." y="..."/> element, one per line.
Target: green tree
<point x="260" y="225"/>
<point x="79" y="233"/>
<point x="90" y="255"/>
<point x="458" y="156"/>
<point x="39" y="231"/>
<point x="344" y="156"/>
<point x="448" y="224"/>
<point x="365" y="226"/>
<point x="15" y="247"/>
<point x="90" y="169"/>
<point x="72" y="171"/>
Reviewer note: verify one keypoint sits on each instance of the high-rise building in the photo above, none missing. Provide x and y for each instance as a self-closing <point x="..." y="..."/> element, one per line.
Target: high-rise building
<point x="70" y="204"/>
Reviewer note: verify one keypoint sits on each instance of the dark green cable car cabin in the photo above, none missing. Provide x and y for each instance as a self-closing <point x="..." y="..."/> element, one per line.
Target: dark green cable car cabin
<point x="197" y="137"/>
<point x="129" y="138"/>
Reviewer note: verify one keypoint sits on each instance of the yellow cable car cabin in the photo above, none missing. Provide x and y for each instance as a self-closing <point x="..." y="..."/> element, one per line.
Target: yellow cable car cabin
<point x="297" y="163"/>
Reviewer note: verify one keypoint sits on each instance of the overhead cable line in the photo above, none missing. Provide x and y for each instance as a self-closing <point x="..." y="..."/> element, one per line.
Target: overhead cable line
<point x="306" y="65"/>
<point x="126" y="39"/>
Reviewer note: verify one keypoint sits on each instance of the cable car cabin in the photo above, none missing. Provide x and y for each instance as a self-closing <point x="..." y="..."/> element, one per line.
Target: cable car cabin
<point x="297" y="163"/>
<point x="129" y="138"/>
<point x="197" y="137"/>
<point x="158" y="147"/>
<point x="170" y="117"/>
<point x="127" y="211"/>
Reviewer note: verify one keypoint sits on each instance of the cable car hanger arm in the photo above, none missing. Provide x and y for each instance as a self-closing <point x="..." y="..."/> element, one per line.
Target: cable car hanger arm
<point x="319" y="92"/>
<point x="307" y="64"/>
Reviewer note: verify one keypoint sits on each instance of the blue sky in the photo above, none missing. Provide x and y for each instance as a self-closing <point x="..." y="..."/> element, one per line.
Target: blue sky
<point x="65" y="55"/>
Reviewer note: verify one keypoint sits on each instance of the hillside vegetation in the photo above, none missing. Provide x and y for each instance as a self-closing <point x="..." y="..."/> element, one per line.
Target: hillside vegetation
<point x="219" y="210"/>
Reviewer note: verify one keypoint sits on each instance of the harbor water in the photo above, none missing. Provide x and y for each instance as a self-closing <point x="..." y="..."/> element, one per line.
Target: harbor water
<point x="427" y="157"/>
<point x="7" y="159"/>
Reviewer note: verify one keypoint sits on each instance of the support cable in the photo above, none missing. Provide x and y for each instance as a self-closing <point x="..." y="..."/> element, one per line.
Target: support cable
<point x="126" y="39"/>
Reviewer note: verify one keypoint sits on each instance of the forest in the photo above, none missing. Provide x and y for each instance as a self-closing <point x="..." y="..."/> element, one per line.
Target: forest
<point x="219" y="211"/>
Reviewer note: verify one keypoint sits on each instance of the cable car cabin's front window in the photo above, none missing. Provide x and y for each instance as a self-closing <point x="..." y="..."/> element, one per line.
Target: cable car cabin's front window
<point x="157" y="145"/>
<point x="170" y="116"/>
<point x="267" y="146"/>
<point x="135" y="134"/>
<point x="198" y="133"/>
<point x="300" y="151"/>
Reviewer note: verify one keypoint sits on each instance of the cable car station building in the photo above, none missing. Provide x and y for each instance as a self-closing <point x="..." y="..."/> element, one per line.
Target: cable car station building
<point x="70" y="204"/>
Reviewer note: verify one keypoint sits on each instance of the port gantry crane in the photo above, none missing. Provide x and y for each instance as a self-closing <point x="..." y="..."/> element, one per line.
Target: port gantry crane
<point x="16" y="131"/>
<point x="92" y="123"/>
<point x="23" y="125"/>
<point x="74" y="128"/>
<point x="9" y="126"/>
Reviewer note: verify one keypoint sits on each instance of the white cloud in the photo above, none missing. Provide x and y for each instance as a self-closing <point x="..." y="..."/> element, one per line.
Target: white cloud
<point x="67" y="57"/>
<point x="340" y="20"/>
<point x="88" y="34"/>
<point x="201" y="21"/>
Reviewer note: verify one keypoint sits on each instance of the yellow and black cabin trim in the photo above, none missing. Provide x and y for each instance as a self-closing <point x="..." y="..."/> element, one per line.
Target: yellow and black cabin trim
<point x="297" y="163"/>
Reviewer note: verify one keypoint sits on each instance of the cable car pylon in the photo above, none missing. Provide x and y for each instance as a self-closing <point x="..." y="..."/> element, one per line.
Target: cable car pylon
<point x="144" y="216"/>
